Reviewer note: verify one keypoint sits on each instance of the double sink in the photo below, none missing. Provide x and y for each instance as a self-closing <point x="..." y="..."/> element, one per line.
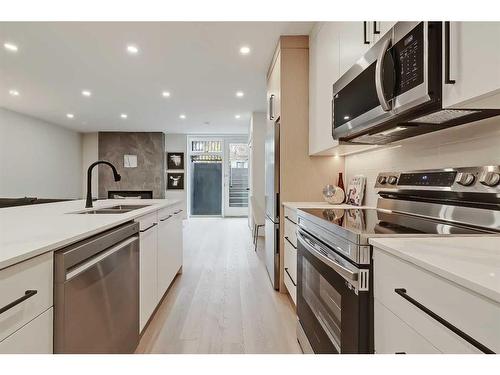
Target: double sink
<point x="119" y="209"/>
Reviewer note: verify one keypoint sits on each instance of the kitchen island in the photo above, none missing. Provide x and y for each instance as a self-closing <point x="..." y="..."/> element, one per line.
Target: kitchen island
<point x="29" y="236"/>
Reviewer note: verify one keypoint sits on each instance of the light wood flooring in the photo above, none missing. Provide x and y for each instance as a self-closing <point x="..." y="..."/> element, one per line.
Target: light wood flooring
<point x="223" y="301"/>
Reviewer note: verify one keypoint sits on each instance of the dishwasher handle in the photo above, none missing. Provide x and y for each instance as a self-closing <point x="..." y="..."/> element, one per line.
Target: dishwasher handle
<point x="82" y="267"/>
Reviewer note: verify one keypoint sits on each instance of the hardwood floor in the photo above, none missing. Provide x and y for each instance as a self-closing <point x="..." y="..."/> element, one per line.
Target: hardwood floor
<point x="223" y="301"/>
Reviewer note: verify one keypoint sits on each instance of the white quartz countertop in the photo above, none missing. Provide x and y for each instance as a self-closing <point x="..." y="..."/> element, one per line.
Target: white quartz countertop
<point x="297" y="205"/>
<point x="28" y="231"/>
<point x="472" y="262"/>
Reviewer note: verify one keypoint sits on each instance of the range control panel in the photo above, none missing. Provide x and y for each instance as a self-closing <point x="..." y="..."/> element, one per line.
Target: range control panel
<point x="471" y="179"/>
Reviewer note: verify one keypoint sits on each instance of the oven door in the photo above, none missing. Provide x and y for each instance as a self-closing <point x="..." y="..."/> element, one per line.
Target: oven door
<point x="391" y="78"/>
<point x="332" y="311"/>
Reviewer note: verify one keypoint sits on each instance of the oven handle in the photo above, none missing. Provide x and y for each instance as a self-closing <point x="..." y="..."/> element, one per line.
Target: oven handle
<point x="340" y="269"/>
<point x="379" y="85"/>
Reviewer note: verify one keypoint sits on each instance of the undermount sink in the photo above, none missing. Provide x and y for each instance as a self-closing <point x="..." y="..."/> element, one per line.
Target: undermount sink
<point x="119" y="209"/>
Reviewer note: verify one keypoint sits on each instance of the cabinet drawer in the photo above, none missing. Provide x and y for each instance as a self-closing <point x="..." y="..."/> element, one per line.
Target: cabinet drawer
<point x="471" y="313"/>
<point x="147" y="221"/>
<point x="393" y="336"/>
<point x="291" y="232"/>
<point x="290" y="276"/>
<point x="35" y="274"/>
<point x="290" y="215"/>
<point x="33" y="338"/>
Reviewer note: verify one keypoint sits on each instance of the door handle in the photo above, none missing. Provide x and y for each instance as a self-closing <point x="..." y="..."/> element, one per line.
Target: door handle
<point x="451" y="327"/>
<point x="447" y="48"/>
<point x="379" y="72"/>
<point x="27" y="294"/>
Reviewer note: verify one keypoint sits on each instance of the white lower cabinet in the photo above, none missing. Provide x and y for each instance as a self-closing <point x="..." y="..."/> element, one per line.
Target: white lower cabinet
<point x="33" y="338"/>
<point x="393" y="335"/>
<point x="429" y="305"/>
<point x="290" y="253"/>
<point x="169" y="248"/>
<point x="160" y="258"/>
<point x="148" y="259"/>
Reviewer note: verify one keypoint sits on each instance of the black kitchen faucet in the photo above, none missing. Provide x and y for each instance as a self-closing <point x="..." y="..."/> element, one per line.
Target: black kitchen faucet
<point x="89" y="179"/>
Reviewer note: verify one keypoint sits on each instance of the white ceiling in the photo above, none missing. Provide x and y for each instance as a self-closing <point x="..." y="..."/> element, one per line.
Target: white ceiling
<point x="198" y="62"/>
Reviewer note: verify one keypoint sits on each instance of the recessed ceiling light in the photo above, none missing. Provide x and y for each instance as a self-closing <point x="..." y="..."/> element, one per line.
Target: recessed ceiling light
<point x="124" y="115"/>
<point x="237" y="116"/>
<point x="166" y="94"/>
<point x="245" y="50"/>
<point x="132" y="49"/>
<point x="10" y="47"/>
<point x="14" y="92"/>
<point x="86" y="93"/>
<point x="182" y="117"/>
<point x="70" y="115"/>
<point x="240" y="94"/>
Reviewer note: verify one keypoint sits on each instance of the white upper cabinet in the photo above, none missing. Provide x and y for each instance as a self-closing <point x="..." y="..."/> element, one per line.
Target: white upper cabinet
<point x="324" y="70"/>
<point x="355" y="39"/>
<point x="333" y="48"/>
<point x="474" y="65"/>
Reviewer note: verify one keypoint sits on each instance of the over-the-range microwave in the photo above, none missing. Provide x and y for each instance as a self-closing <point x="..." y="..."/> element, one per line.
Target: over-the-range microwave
<point x="395" y="90"/>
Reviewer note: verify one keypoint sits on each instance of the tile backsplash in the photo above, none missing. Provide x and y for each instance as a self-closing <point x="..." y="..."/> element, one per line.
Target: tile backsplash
<point x="474" y="144"/>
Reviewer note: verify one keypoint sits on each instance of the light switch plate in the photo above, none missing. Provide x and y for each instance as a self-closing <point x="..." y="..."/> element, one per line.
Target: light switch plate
<point x="130" y="161"/>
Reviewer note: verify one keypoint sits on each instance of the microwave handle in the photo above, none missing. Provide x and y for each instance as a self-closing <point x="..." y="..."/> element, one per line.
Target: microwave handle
<point x="447" y="32"/>
<point x="379" y="85"/>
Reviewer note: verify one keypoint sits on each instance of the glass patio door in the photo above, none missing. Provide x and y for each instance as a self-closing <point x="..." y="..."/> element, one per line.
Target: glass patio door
<point x="236" y="177"/>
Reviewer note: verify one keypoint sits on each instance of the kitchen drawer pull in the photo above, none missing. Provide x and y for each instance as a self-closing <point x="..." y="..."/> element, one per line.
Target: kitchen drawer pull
<point x="447" y="47"/>
<point x="290" y="220"/>
<point x="27" y="294"/>
<point x="165" y="218"/>
<point x="148" y="228"/>
<point x="290" y="242"/>
<point x="375" y="31"/>
<point x="288" y="273"/>
<point x="451" y="327"/>
<point x="365" y="29"/>
<point x="177" y="212"/>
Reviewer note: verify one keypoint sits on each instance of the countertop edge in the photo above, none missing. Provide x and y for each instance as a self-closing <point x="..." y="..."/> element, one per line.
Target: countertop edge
<point x="70" y="240"/>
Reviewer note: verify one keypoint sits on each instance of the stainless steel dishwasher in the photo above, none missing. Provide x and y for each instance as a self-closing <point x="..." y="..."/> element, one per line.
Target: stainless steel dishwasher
<point x="96" y="293"/>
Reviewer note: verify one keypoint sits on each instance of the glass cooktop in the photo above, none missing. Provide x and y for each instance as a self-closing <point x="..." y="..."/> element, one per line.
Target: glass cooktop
<point x="375" y="222"/>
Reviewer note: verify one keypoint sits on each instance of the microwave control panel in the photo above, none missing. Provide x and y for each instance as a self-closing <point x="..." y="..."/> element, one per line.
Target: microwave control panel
<point x="408" y="54"/>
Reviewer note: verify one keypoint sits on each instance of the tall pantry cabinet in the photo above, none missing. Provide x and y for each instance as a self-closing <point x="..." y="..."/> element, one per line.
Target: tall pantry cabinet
<point x="302" y="177"/>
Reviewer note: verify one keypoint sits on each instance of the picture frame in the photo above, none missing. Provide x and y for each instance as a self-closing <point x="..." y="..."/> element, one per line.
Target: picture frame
<point x="175" y="160"/>
<point x="175" y="181"/>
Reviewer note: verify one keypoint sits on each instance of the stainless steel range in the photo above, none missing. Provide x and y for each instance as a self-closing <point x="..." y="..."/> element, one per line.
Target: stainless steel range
<point x="334" y="294"/>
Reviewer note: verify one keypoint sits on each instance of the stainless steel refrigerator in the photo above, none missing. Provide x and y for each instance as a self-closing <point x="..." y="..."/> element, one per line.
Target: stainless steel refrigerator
<point x="272" y="171"/>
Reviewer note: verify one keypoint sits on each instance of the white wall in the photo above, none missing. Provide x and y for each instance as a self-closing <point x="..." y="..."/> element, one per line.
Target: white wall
<point x="257" y="165"/>
<point x="90" y="154"/>
<point x="474" y="144"/>
<point x="38" y="159"/>
<point x="178" y="143"/>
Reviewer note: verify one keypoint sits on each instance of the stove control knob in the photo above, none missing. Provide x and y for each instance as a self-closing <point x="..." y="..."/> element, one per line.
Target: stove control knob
<point x="382" y="180"/>
<point x="392" y="180"/>
<point x="491" y="179"/>
<point x="465" y="179"/>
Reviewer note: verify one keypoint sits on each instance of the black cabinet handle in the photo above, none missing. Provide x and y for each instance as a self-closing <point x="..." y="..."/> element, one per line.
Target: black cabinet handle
<point x="288" y="273"/>
<point x="451" y="327"/>
<point x="375" y="31"/>
<point x="148" y="228"/>
<point x="290" y="242"/>
<point x="177" y="212"/>
<point x="400" y="353"/>
<point x="290" y="220"/>
<point x="365" y="31"/>
<point x="27" y="294"/>
<point x="447" y="79"/>
<point x="165" y="218"/>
